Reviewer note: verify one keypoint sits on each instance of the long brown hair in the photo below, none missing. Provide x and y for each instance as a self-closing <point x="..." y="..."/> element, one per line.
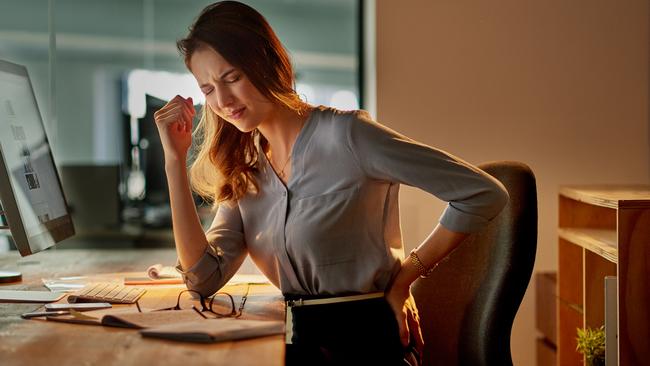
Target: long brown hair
<point x="225" y="158"/>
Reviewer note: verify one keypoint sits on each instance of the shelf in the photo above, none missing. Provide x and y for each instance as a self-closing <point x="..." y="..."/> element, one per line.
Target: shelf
<point x="600" y="241"/>
<point x="623" y="196"/>
<point x="603" y="232"/>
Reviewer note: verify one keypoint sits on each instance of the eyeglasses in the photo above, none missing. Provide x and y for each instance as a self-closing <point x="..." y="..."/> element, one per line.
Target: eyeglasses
<point x="221" y="304"/>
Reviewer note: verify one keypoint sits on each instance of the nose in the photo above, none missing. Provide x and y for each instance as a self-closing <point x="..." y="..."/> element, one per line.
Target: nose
<point x="224" y="97"/>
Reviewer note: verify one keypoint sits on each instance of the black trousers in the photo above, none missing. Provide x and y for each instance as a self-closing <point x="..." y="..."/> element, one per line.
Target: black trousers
<point x="363" y="332"/>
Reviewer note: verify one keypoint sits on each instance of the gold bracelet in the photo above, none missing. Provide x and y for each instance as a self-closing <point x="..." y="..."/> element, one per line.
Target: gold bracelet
<point x="424" y="272"/>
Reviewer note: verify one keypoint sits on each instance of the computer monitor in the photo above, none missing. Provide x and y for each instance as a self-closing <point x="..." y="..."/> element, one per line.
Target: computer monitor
<point x="30" y="190"/>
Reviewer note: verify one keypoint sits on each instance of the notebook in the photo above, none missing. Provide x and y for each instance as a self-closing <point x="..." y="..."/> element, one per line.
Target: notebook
<point x="178" y="325"/>
<point x="215" y="330"/>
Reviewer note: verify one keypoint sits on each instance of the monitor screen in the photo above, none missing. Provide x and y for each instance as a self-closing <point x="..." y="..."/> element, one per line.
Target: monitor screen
<point x="30" y="189"/>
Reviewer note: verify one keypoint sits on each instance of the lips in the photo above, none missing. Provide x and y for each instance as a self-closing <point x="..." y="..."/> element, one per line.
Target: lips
<point x="237" y="113"/>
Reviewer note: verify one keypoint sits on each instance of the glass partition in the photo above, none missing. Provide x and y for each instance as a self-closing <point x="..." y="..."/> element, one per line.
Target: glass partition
<point x="25" y="39"/>
<point x="100" y="68"/>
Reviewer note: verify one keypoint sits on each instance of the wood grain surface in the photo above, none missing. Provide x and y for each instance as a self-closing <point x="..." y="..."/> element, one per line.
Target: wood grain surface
<point x="41" y="342"/>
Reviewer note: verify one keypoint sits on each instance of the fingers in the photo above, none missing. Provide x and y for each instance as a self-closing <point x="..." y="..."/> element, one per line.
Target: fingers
<point x="415" y="333"/>
<point x="177" y="110"/>
<point x="173" y="117"/>
<point x="403" y="329"/>
<point x="183" y="120"/>
<point x="189" y="106"/>
<point x="398" y="301"/>
<point x="189" y="114"/>
<point x="174" y="104"/>
<point x="171" y="104"/>
<point x="188" y="126"/>
<point x="414" y="325"/>
<point x="163" y="115"/>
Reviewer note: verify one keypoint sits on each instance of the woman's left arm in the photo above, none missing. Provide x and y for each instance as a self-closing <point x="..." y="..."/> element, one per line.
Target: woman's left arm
<point x="435" y="247"/>
<point x="474" y="199"/>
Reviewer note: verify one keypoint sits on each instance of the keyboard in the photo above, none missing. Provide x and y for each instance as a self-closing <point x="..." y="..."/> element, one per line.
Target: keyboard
<point x="110" y="292"/>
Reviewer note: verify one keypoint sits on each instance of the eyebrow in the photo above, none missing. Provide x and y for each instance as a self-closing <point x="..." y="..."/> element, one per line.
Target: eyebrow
<point x="222" y="76"/>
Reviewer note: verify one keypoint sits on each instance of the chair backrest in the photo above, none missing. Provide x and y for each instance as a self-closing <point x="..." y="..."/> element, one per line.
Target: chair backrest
<point x="468" y="304"/>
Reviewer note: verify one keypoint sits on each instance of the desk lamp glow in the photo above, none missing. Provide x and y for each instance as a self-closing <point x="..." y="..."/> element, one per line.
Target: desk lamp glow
<point x="34" y="207"/>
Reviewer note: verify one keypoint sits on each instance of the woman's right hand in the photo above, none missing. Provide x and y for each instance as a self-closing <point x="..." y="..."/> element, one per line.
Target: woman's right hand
<point x="174" y="122"/>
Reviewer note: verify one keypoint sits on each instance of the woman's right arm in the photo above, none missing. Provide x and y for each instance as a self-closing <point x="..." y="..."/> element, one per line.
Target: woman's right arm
<point x="174" y="123"/>
<point x="207" y="260"/>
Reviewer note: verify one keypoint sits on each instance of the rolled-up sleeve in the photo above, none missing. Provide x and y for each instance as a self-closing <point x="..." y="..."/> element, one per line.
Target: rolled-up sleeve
<point x="474" y="197"/>
<point x="224" y="255"/>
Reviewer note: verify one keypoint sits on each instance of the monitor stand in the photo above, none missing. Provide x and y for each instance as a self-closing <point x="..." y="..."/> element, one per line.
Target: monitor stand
<point x="8" y="276"/>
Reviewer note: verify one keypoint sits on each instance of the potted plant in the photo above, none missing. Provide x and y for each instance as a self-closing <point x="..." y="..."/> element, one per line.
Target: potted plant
<point x="591" y="343"/>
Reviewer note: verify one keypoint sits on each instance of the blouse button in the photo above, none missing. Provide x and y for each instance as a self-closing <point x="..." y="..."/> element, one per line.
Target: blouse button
<point x="284" y="193"/>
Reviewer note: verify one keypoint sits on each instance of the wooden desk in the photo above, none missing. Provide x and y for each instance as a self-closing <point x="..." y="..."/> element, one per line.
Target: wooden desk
<point x="40" y="342"/>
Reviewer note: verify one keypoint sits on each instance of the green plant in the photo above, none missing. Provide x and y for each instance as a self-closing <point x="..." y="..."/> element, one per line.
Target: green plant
<point x="591" y="343"/>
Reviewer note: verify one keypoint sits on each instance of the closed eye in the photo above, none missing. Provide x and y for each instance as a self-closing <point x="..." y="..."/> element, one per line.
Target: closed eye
<point x="233" y="79"/>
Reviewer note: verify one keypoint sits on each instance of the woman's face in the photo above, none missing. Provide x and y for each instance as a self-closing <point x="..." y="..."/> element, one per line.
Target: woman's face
<point x="228" y="92"/>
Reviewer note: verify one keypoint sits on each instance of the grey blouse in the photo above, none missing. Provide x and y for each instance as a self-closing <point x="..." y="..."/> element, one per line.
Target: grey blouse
<point x="334" y="228"/>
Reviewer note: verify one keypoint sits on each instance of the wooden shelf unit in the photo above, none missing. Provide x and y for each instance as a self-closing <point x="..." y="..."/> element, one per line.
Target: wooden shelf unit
<point x="604" y="231"/>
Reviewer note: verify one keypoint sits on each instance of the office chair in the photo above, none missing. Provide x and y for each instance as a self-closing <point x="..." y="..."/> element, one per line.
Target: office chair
<point x="468" y="304"/>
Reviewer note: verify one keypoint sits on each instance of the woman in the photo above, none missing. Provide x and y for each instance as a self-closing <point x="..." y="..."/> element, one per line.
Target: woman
<point x="310" y="193"/>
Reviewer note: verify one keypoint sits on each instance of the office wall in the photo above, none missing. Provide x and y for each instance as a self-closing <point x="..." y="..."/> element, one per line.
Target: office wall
<point x="559" y="85"/>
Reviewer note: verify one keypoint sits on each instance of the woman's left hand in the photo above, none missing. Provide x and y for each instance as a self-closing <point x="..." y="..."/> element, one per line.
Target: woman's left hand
<point x="400" y="300"/>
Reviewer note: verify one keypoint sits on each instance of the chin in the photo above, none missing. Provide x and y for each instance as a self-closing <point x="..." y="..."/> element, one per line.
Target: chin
<point x="246" y="130"/>
<point x="244" y="126"/>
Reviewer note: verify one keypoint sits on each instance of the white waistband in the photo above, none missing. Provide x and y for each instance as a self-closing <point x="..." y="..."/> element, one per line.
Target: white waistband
<point x="333" y="300"/>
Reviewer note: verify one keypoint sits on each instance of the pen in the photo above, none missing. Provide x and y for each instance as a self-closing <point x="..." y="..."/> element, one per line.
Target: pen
<point x="34" y="314"/>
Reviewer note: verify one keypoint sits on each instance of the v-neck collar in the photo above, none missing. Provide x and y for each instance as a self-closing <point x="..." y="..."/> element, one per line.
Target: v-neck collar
<point x="296" y="152"/>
